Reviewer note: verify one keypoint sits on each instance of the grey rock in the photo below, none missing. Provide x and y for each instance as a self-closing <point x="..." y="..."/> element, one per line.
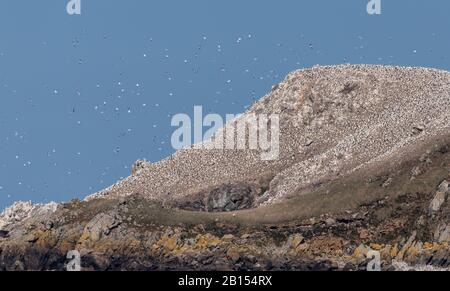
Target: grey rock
<point x="444" y="187"/>
<point x="229" y="198"/>
<point x="439" y="198"/>
<point x="100" y="226"/>
<point x="407" y="245"/>
<point x="442" y="233"/>
<point x="436" y="203"/>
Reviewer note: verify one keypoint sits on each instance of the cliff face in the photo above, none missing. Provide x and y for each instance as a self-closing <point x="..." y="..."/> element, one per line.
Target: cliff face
<point x="364" y="165"/>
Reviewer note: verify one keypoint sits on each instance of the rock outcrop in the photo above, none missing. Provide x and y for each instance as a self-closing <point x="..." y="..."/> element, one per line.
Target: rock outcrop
<point x="21" y="210"/>
<point x="439" y="198"/>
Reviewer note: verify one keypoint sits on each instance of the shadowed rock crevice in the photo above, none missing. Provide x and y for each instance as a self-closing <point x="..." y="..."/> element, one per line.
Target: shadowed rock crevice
<point x="227" y="197"/>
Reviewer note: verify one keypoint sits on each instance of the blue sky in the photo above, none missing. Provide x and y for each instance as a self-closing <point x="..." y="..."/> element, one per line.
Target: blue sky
<point x="83" y="97"/>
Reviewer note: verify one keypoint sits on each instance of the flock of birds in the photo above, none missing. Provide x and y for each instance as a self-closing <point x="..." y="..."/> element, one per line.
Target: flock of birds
<point x="124" y="104"/>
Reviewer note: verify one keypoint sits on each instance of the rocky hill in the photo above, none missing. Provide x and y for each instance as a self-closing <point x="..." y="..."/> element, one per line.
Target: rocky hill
<point x="364" y="164"/>
<point x="333" y="120"/>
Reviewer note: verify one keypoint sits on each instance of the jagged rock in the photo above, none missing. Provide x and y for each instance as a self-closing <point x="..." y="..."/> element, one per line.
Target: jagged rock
<point x="22" y="210"/>
<point x="295" y="240"/>
<point x="436" y="203"/>
<point x="229" y="198"/>
<point x="442" y="233"/>
<point x="407" y="245"/>
<point x="100" y="226"/>
<point x="224" y="198"/>
<point x="439" y="198"/>
<point x="444" y="187"/>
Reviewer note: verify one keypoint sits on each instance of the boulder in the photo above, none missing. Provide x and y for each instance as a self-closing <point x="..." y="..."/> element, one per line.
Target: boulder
<point x="295" y="240"/>
<point x="233" y="254"/>
<point x="229" y="198"/>
<point x="442" y="233"/>
<point x="100" y="226"/>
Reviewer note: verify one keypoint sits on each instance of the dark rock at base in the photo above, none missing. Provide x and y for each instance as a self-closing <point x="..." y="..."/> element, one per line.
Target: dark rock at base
<point x="223" y="198"/>
<point x="322" y="266"/>
<point x="349" y="267"/>
<point x="440" y="258"/>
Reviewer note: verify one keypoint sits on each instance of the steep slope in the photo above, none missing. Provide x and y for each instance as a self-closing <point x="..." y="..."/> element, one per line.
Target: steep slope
<point x="333" y="120"/>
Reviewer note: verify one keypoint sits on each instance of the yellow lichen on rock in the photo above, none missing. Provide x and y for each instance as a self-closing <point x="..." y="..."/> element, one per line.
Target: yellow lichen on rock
<point x="394" y="251"/>
<point x="376" y="247"/>
<point x="360" y="252"/>
<point x="206" y="241"/>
